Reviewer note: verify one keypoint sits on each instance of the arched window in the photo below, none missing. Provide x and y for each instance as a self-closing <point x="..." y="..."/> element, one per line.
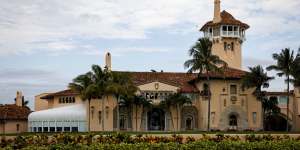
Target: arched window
<point x="122" y="122"/>
<point x="205" y="91"/>
<point x="225" y="46"/>
<point x="18" y="127"/>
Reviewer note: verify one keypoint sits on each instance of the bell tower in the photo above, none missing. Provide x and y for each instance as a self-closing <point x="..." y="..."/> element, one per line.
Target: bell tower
<point x="227" y="35"/>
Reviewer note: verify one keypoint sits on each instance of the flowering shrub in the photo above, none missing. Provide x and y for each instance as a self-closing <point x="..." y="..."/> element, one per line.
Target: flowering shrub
<point x="126" y="141"/>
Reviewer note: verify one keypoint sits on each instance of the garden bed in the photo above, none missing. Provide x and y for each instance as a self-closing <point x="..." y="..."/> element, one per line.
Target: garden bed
<point x="141" y="142"/>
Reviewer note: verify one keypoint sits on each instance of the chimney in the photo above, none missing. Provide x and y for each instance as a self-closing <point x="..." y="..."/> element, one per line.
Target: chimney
<point x="108" y="61"/>
<point x="217" y="11"/>
<point x="19" y="98"/>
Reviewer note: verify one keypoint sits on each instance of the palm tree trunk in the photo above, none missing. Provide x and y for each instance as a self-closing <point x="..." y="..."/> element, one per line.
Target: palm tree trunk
<point x="118" y="114"/>
<point x="171" y="117"/>
<point x="136" y="117"/>
<point x="103" y="113"/>
<point x="89" y="115"/>
<point x="263" y="120"/>
<point x="288" y="100"/>
<point x="177" y="116"/>
<point x="208" y="114"/>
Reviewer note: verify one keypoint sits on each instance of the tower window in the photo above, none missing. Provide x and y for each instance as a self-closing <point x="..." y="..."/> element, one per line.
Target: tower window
<point x="225" y="46"/>
<point x="229" y="28"/>
<point x="210" y="30"/>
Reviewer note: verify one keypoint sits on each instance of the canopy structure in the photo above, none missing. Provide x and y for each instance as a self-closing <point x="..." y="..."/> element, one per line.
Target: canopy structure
<point x="63" y="119"/>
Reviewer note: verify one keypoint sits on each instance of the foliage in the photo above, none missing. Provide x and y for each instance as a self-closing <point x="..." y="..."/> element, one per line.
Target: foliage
<point x="286" y="65"/>
<point x="202" y="58"/>
<point x="127" y="142"/>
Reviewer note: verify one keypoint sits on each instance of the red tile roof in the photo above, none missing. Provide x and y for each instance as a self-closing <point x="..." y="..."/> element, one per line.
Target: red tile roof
<point x="179" y="79"/>
<point x="60" y="93"/>
<point x="14" y="112"/>
<point x="226" y="19"/>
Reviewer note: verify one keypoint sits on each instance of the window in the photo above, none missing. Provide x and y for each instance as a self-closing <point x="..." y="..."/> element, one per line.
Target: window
<point x="39" y="129"/>
<point x="235" y="28"/>
<point x="74" y="129"/>
<point x="34" y="129"/>
<point x="122" y="122"/>
<point x="205" y="90"/>
<point x="45" y="129"/>
<point x="100" y="116"/>
<point x="232" y="46"/>
<point x="18" y="127"/>
<point x="58" y="129"/>
<point x="254" y="116"/>
<point x="210" y="30"/>
<point x="233" y="89"/>
<point x="225" y="46"/>
<point x="225" y="103"/>
<point x="52" y="129"/>
<point x="229" y="28"/>
<point x="224" y="28"/>
<point x="67" y="129"/>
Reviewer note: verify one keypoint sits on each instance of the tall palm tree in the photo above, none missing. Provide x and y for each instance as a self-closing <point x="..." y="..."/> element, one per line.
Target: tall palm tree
<point x="295" y="71"/>
<point x="179" y="100"/>
<point x="120" y="84"/>
<point x="285" y="61"/>
<point x="204" y="61"/>
<point x="87" y="89"/>
<point x="257" y="78"/>
<point x="139" y="100"/>
<point x="175" y="100"/>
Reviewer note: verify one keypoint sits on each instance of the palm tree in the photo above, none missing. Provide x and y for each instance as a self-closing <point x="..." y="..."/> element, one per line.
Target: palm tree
<point x="120" y="84"/>
<point x="175" y="100"/>
<point x="203" y="60"/>
<point x="257" y="78"/>
<point x="87" y="89"/>
<point x="139" y="100"/>
<point x="284" y="67"/>
<point x="295" y="71"/>
<point x="24" y="102"/>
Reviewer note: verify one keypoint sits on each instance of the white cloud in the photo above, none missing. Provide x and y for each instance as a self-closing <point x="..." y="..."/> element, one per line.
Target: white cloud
<point x="24" y="23"/>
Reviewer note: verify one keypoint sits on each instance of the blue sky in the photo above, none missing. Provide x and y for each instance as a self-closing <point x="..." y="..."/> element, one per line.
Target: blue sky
<point x="45" y="44"/>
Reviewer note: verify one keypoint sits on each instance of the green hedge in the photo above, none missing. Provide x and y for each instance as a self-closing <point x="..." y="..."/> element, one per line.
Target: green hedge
<point x="203" y="145"/>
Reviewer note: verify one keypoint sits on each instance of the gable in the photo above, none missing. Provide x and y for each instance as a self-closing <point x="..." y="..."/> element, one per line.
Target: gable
<point x="158" y="86"/>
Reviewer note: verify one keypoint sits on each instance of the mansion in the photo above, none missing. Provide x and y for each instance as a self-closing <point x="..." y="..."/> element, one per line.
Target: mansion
<point x="232" y="107"/>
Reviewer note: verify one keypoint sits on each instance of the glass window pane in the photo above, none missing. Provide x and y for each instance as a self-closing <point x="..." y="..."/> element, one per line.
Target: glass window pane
<point x="233" y="89"/>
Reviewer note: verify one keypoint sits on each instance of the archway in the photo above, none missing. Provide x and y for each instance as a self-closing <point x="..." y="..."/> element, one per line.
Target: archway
<point x="156" y="119"/>
<point x="239" y="120"/>
<point x="189" y="118"/>
<point x="233" y="122"/>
